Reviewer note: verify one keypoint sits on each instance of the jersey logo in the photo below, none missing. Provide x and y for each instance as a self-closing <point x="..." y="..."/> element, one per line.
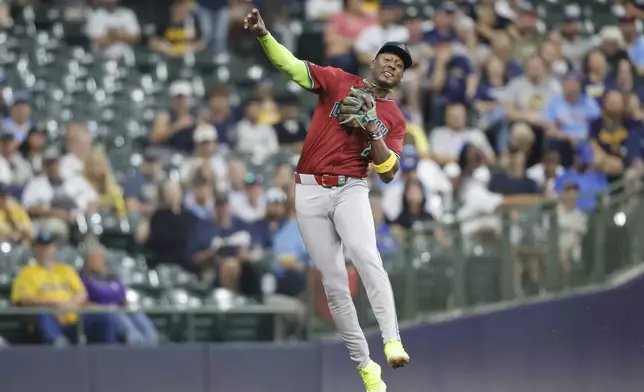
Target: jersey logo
<point x="336" y="110"/>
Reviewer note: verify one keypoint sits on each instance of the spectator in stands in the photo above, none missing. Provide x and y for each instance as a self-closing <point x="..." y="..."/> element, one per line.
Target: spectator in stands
<point x="526" y="38"/>
<point x="180" y="33"/>
<point x="444" y="25"/>
<point x="633" y="92"/>
<point x="545" y="173"/>
<point x="597" y="79"/>
<point x="48" y="283"/>
<point x="526" y="98"/>
<point x="237" y="175"/>
<point x="98" y="173"/>
<point x="14" y="170"/>
<point x="555" y="62"/>
<point x="219" y="114"/>
<point x="253" y="138"/>
<point x="502" y="49"/>
<point x="487" y="24"/>
<point x="574" y="45"/>
<point x="414" y="201"/>
<point x="373" y="37"/>
<point x="19" y="120"/>
<point x="33" y="147"/>
<point x="113" y="30"/>
<point x="15" y="224"/>
<point x="590" y="181"/>
<point x="634" y="42"/>
<point x="140" y="190"/>
<point x="216" y="31"/>
<point x="572" y="228"/>
<point x="612" y="46"/>
<point x="290" y="253"/>
<point x="54" y="202"/>
<point x="283" y="177"/>
<point x="567" y="117"/>
<point x="263" y="231"/>
<point x="615" y="137"/>
<point x="446" y="142"/>
<point x="107" y="290"/>
<point x="206" y="154"/>
<point x="250" y="205"/>
<point x="269" y="111"/>
<point x="452" y="79"/>
<point x="291" y="132"/>
<point x="341" y="33"/>
<point x="78" y="145"/>
<point x="322" y="10"/>
<point x="200" y="199"/>
<point x="470" y="178"/>
<point x="174" y="127"/>
<point x="385" y="239"/>
<point x="165" y="234"/>
<point x="221" y="247"/>
<point x="490" y="89"/>
<point x="513" y="181"/>
<point x="393" y="194"/>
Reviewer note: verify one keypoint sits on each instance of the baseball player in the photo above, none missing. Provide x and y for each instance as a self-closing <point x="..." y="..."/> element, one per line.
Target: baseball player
<point x="354" y="124"/>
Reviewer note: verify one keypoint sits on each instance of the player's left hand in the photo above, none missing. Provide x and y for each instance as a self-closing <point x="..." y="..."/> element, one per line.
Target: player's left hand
<point x="358" y="109"/>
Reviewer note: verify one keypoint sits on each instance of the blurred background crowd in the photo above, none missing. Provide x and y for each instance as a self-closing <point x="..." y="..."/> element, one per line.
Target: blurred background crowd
<point x="147" y="148"/>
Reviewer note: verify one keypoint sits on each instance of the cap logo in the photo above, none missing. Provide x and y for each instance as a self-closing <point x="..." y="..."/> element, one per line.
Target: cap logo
<point x="403" y="46"/>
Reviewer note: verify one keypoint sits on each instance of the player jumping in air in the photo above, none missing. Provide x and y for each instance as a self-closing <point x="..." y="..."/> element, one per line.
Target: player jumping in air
<point x="332" y="194"/>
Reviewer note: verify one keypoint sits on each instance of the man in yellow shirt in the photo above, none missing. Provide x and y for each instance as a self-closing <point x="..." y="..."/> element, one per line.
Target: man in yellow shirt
<point x="49" y="284"/>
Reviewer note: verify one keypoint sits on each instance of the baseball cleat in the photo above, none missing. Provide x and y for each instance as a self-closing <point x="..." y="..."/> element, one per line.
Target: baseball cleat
<point x="371" y="377"/>
<point x="396" y="354"/>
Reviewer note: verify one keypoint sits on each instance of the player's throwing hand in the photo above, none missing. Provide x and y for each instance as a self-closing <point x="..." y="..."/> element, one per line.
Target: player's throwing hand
<point x="254" y="23"/>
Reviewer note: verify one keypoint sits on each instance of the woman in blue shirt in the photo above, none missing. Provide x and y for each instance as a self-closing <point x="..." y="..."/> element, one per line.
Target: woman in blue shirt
<point x="490" y="88"/>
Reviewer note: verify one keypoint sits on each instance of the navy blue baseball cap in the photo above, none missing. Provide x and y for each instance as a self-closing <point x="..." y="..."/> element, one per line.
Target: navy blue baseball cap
<point x="448" y="7"/>
<point x="21" y="97"/>
<point x="399" y="49"/>
<point x="44" y="238"/>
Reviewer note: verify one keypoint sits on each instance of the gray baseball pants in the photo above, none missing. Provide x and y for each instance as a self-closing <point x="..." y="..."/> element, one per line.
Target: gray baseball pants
<point x="330" y="218"/>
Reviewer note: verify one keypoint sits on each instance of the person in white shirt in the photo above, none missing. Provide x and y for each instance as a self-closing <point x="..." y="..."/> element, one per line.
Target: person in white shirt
<point x="14" y="169"/>
<point x="321" y="10"/>
<point x="54" y="202"/>
<point x="250" y="206"/>
<point x="546" y="172"/>
<point x="372" y="38"/>
<point x="258" y="140"/>
<point x="205" y="137"/>
<point x="78" y="144"/>
<point x="113" y="30"/>
<point x="446" y="142"/>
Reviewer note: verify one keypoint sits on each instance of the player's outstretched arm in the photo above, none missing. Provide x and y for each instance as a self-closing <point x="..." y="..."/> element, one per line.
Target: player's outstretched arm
<point x="281" y="57"/>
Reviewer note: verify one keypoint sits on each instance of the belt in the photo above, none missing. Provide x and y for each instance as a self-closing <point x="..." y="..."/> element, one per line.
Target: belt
<point x="325" y="180"/>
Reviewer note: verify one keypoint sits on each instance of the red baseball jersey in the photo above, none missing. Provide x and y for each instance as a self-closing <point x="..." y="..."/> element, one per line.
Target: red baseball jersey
<point x="331" y="148"/>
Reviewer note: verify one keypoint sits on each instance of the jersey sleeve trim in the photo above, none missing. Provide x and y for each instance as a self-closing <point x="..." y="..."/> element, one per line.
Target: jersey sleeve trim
<point x="310" y="75"/>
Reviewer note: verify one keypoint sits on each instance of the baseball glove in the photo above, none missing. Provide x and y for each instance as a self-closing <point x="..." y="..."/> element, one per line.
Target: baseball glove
<point x="358" y="109"/>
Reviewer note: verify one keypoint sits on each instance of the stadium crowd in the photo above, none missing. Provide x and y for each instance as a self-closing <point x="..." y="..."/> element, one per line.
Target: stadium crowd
<point x="503" y="109"/>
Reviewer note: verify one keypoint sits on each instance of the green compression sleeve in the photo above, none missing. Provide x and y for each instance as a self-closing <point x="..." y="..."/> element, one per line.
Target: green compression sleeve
<point x="286" y="62"/>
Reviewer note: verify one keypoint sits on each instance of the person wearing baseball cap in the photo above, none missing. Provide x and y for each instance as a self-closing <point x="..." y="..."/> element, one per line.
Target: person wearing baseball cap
<point x="444" y="24"/>
<point x="633" y="41"/>
<point x="174" y="127"/>
<point x="52" y="284"/>
<point x="574" y="44"/>
<point x="19" y="120"/>
<point x="371" y="39"/>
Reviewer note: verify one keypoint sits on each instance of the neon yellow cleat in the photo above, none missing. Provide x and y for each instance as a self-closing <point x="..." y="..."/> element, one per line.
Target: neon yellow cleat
<point x="371" y="378"/>
<point x="396" y="354"/>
